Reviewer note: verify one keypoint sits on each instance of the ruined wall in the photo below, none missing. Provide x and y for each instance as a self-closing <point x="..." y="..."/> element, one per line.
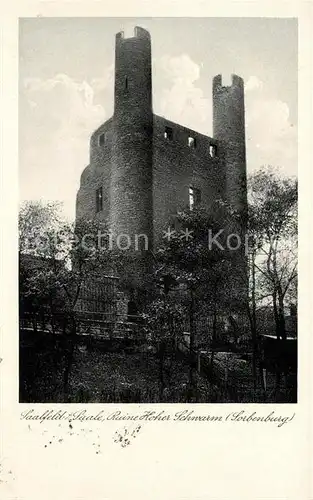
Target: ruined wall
<point x="178" y="165"/>
<point x="175" y="167"/>
<point x="145" y="164"/>
<point x="97" y="174"/>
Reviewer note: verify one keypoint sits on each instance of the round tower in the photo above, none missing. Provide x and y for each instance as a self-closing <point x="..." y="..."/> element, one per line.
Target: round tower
<point x="131" y="174"/>
<point x="229" y="130"/>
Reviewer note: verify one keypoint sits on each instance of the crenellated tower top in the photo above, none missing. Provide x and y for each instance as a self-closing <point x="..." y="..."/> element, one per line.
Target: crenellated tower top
<point x="138" y="32"/>
<point x="229" y="130"/>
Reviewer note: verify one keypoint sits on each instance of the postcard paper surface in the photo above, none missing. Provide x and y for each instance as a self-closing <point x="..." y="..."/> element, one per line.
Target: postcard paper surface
<point x="156" y="170"/>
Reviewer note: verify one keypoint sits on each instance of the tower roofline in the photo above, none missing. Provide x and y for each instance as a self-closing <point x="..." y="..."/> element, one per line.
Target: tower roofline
<point x="236" y="80"/>
<point x="138" y="32"/>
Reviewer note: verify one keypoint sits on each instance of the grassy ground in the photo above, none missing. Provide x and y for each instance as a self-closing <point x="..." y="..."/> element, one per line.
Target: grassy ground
<point x="100" y="376"/>
<point x="96" y="375"/>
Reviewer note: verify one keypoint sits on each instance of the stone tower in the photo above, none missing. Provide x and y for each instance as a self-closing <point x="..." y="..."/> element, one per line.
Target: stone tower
<point x="229" y="130"/>
<point x="131" y="216"/>
<point x="145" y="168"/>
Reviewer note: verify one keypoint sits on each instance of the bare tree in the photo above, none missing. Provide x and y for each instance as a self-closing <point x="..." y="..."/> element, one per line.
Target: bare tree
<point x="273" y="209"/>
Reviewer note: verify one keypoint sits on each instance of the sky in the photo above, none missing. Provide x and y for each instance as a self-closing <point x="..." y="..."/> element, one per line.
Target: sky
<point x="66" y="78"/>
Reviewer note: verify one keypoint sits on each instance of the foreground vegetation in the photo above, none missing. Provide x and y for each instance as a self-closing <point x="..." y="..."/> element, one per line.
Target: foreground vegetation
<point x="188" y="281"/>
<point x="127" y="374"/>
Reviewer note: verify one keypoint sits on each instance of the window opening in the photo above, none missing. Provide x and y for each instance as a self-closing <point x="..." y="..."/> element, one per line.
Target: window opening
<point x="213" y="150"/>
<point x="101" y="139"/>
<point x="168" y="133"/>
<point x="99" y="200"/>
<point x="194" y="197"/>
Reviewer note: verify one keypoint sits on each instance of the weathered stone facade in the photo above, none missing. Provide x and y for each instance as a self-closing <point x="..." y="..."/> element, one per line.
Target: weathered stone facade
<point x="145" y="164"/>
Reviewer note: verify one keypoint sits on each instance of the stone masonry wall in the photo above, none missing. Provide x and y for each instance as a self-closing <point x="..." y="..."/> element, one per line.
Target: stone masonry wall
<point x="177" y="166"/>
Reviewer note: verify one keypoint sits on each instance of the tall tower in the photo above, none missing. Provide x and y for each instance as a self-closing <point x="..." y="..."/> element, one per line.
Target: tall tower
<point x="131" y="177"/>
<point x="229" y="129"/>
